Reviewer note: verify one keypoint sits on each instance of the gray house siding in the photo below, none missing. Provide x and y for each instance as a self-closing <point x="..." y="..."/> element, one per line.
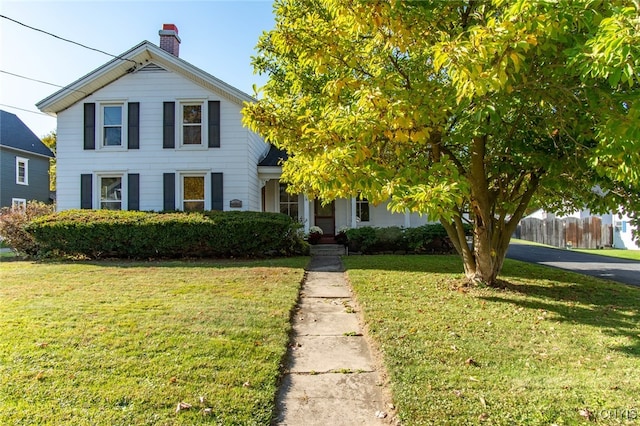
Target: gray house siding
<point x="38" y="177"/>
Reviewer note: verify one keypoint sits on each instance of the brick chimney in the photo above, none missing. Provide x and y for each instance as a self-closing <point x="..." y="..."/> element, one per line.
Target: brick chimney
<point x="169" y="39"/>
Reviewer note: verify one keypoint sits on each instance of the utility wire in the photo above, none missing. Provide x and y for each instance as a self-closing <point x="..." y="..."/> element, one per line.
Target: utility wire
<point x="38" y="81"/>
<point x="26" y="110"/>
<point x="67" y="40"/>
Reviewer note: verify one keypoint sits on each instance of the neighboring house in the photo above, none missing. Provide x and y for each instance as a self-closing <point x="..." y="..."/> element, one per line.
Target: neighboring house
<point x="619" y="223"/>
<point x="150" y="131"/>
<point x="24" y="164"/>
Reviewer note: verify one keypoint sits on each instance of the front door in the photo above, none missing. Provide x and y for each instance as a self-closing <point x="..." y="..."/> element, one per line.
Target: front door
<point x="325" y="217"/>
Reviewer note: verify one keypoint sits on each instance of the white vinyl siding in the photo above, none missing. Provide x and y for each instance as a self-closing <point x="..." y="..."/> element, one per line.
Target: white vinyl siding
<point x="236" y="158"/>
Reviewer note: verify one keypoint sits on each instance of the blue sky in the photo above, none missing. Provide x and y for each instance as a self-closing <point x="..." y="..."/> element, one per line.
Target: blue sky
<point x="218" y="36"/>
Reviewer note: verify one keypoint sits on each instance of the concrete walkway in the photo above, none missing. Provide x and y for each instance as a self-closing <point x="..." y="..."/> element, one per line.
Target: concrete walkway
<point x="331" y="377"/>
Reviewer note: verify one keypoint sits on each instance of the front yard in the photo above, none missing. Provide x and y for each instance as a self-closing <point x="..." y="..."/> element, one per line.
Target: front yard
<point x="552" y="347"/>
<point x="125" y="343"/>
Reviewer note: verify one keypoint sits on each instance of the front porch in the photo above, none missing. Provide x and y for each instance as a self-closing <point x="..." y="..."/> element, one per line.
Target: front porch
<point x="331" y="217"/>
<point x="343" y="213"/>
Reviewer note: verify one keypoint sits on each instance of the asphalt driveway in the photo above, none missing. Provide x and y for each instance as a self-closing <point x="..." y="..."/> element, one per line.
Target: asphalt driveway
<point x="610" y="268"/>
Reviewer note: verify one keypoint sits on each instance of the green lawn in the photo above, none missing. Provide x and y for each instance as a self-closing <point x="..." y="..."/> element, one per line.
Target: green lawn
<point x="551" y="347"/>
<point x="124" y="343"/>
<point x="621" y="254"/>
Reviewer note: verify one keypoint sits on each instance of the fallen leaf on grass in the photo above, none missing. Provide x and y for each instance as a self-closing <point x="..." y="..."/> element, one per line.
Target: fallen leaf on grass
<point x="584" y="412"/>
<point x="483" y="402"/>
<point x="472" y="362"/>
<point x="182" y="406"/>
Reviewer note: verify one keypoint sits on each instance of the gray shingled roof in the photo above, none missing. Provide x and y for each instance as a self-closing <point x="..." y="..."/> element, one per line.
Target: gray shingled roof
<point x="274" y="157"/>
<point x="15" y="134"/>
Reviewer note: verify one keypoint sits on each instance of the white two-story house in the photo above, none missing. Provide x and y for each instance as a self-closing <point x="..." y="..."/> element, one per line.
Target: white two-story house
<point x="150" y="131"/>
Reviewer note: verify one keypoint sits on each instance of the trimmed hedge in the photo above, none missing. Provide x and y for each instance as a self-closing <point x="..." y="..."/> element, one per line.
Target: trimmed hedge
<point x="143" y="235"/>
<point x="430" y="238"/>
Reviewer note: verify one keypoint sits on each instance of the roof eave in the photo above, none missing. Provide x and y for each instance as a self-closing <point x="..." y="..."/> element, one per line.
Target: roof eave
<point x="118" y="67"/>
<point x="26" y="151"/>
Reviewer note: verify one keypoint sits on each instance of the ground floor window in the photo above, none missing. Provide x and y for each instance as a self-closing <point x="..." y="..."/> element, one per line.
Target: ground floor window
<point x="193" y="193"/>
<point x="362" y="209"/>
<point x="111" y="192"/>
<point x="288" y="202"/>
<point x="19" y="204"/>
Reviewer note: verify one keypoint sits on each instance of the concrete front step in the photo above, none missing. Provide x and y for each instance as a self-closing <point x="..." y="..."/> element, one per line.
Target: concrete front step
<point x="328" y="250"/>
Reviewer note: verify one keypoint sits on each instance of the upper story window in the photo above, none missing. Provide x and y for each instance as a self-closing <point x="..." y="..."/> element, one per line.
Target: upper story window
<point x="111" y="192"/>
<point x="112" y="125"/>
<point x="192" y="124"/>
<point x="22" y="171"/>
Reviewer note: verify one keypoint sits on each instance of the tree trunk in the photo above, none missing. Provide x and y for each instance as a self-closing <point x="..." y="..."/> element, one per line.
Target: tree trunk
<point x="482" y="261"/>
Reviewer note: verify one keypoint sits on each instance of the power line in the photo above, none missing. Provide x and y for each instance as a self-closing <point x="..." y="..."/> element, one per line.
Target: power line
<point x="25" y="110"/>
<point x="38" y="81"/>
<point x="67" y="40"/>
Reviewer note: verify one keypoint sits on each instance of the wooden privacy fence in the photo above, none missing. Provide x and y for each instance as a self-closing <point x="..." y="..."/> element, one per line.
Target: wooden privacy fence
<point x="569" y="232"/>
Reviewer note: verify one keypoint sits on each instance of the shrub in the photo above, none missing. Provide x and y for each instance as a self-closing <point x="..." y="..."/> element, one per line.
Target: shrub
<point x="430" y="238"/>
<point x="13" y="222"/>
<point x="361" y="239"/>
<point x="341" y="236"/>
<point x="389" y="239"/>
<point x="141" y="235"/>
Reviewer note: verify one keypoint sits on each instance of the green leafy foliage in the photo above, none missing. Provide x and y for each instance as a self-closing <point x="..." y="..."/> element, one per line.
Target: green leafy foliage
<point x="469" y="112"/>
<point x="141" y="235"/>
<point x="430" y="238"/>
<point x="51" y="140"/>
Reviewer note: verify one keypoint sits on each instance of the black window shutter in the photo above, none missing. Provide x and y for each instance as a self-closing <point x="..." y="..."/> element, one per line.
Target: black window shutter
<point x="133" y="191"/>
<point x="216" y="192"/>
<point x="86" y="186"/>
<point x="89" y="126"/>
<point x="133" y="124"/>
<point x="214" y="124"/>
<point x="169" y="125"/>
<point x="169" y="183"/>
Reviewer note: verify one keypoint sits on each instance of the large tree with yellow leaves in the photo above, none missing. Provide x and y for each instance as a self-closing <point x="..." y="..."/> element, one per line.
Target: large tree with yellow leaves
<point x="461" y="110"/>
